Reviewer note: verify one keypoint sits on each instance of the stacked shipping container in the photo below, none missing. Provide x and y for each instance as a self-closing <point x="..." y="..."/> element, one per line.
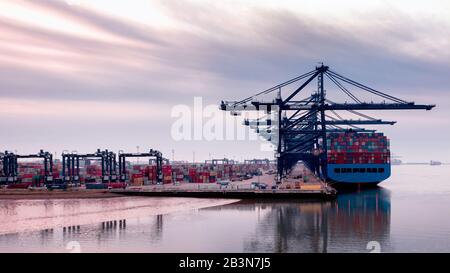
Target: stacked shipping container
<point x="145" y="174"/>
<point x="94" y="170"/>
<point x="34" y="172"/>
<point x="167" y="174"/>
<point x="357" y="148"/>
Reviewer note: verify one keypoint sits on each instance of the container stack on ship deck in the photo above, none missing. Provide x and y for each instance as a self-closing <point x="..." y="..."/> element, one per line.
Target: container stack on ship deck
<point x="358" y="158"/>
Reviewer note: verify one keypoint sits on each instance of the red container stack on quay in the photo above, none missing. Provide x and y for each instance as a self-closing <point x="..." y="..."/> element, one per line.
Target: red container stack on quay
<point x="167" y="174"/>
<point x="189" y="173"/>
<point x="212" y="176"/>
<point x="358" y="148"/>
<point x="57" y="169"/>
<point x="219" y="174"/>
<point x="145" y="174"/>
<point x="178" y="173"/>
<point x="227" y="171"/>
<point x="152" y="175"/>
<point x="192" y="176"/>
<point x="34" y="172"/>
<point x="137" y="174"/>
<point x="31" y="173"/>
<point x="93" y="171"/>
<point x="137" y="179"/>
<point x="203" y="177"/>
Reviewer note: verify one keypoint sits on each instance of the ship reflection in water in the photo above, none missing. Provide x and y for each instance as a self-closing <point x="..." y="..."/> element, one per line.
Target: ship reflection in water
<point x="346" y="224"/>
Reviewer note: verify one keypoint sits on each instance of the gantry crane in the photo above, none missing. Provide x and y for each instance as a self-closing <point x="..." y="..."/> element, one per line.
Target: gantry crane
<point x="157" y="155"/>
<point x="220" y="161"/>
<point x="71" y="165"/>
<point x="298" y="128"/>
<point x="10" y="164"/>
<point x="255" y="161"/>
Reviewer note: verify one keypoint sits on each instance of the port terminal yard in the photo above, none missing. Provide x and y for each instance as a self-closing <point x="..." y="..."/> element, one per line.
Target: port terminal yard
<point x="301" y="183"/>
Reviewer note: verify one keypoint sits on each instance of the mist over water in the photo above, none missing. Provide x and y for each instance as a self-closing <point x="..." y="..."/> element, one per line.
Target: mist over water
<point x="408" y="213"/>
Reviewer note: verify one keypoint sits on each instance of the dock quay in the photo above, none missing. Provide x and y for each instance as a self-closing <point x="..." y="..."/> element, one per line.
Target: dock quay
<point x="233" y="193"/>
<point x="300" y="184"/>
<point x="77" y="177"/>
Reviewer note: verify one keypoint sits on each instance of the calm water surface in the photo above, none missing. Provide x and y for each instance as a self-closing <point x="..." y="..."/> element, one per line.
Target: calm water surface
<point x="409" y="213"/>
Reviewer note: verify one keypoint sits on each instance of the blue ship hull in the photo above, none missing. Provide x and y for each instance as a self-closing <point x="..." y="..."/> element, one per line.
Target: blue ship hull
<point x="358" y="174"/>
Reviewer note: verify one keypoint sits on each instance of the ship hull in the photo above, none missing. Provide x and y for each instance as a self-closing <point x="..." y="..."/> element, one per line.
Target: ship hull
<point x="358" y="175"/>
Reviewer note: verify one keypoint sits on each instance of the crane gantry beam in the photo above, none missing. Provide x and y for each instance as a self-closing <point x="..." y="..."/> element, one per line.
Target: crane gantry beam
<point x="270" y="106"/>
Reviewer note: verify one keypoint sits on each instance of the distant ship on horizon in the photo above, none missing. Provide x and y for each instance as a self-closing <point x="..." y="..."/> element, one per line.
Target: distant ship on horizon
<point x="395" y="161"/>
<point x="435" y="163"/>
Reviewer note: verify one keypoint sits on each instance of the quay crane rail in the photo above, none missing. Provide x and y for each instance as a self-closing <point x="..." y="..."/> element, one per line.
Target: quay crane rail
<point x="298" y="128"/>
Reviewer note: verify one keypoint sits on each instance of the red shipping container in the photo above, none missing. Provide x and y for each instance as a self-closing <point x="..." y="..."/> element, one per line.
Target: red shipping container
<point x="137" y="175"/>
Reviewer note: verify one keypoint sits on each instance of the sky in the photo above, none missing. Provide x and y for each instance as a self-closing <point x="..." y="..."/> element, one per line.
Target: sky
<point x="80" y="75"/>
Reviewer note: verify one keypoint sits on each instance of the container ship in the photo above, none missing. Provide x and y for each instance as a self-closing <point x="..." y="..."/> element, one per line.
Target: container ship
<point x="358" y="158"/>
<point x="435" y="163"/>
